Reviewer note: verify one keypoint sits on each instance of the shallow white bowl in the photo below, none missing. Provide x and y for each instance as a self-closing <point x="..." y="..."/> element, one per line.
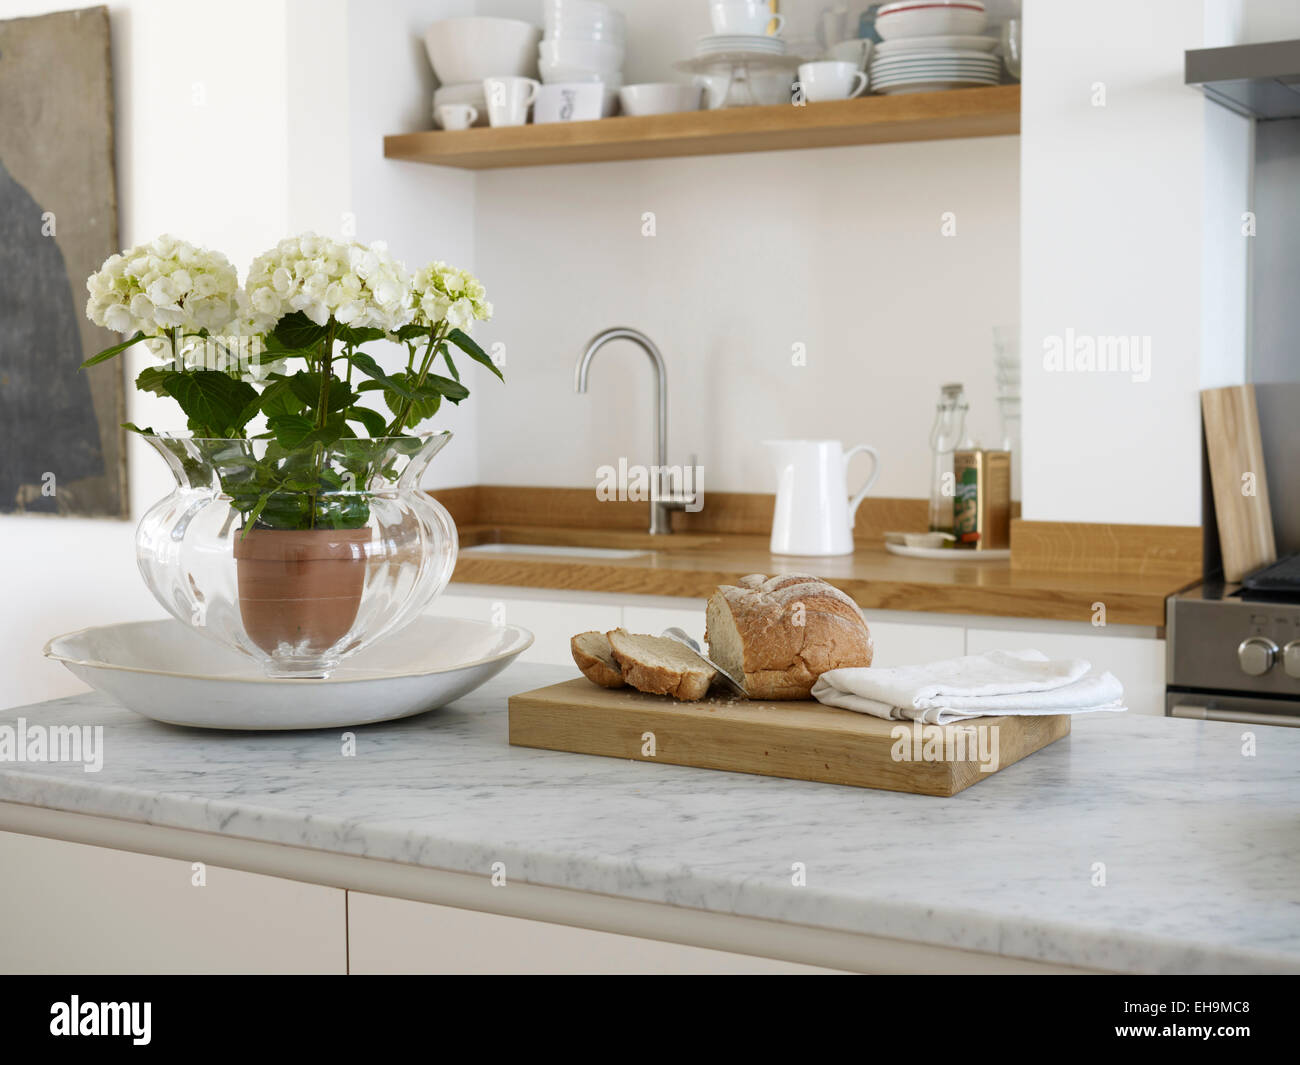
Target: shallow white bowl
<point x="589" y="55"/>
<point x="932" y="19"/>
<point x="166" y="671"/>
<point x="473" y="48"/>
<point x="659" y="98"/>
<point x="558" y="75"/>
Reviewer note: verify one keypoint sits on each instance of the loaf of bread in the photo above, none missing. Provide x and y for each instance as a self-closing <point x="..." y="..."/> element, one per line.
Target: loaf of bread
<point x="777" y="635"/>
<point x="661" y="666"/>
<point x="591" y="652"/>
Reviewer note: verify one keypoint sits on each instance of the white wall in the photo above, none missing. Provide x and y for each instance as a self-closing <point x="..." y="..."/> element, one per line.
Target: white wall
<point x="199" y="154"/>
<point x="837" y="249"/>
<point x="1128" y="214"/>
<point x="237" y="122"/>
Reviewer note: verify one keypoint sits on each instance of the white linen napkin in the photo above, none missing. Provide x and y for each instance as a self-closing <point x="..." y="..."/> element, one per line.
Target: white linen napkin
<point x="992" y="684"/>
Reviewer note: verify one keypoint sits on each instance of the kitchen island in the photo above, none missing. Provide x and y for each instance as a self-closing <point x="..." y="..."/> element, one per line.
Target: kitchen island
<point x="1135" y="844"/>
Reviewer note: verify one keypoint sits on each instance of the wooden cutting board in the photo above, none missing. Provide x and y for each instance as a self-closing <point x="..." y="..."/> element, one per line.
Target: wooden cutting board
<point x="1236" y="454"/>
<point x="800" y="740"/>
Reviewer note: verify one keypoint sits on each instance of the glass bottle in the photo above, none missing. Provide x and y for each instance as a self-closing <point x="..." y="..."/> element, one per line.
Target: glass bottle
<point x="947" y="432"/>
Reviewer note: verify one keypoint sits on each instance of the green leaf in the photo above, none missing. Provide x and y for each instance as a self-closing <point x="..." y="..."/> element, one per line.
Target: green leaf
<point x="410" y="331"/>
<point x="348" y="334"/>
<point x="116" y="349"/>
<point x="133" y="428"/>
<point x="306" y="387"/>
<point x="394" y="383"/>
<point x="422" y="407"/>
<point x="374" y="422"/>
<point x="445" y="386"/>
<point x="278" y="398"/>
<point x="297" y="332"/>
<point x="290" y="429"/>
<point x="451" y="366"/>
<point x="211" y="400"/>
<point x="467" y="344"/>
<point x="154" y="379"/>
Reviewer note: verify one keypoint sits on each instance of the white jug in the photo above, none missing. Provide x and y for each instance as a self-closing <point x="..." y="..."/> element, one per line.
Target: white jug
<point x="814" y="514"/>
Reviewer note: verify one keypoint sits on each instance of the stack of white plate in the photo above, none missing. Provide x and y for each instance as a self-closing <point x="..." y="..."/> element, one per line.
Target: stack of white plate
<point x="931" y="45"/>
<point x="739" y="43"/>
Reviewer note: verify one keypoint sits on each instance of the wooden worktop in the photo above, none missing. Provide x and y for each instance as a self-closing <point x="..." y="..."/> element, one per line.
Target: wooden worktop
<point x="1058" y="571"/>
<point x="693" y="565"/>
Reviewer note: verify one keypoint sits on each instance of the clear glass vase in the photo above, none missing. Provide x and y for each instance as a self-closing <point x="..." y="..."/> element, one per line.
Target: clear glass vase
<point x="298" y="558"/>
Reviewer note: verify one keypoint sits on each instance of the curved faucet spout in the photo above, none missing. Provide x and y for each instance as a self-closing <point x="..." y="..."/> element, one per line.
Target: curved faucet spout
<point x="659" y="520"/>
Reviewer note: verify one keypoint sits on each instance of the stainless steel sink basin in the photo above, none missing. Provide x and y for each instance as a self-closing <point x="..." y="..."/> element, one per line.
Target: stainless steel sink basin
<point x="551" y="549"/>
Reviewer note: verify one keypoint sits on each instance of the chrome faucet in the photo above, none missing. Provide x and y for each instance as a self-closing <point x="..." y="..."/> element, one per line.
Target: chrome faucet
<point x="663" y="500"/>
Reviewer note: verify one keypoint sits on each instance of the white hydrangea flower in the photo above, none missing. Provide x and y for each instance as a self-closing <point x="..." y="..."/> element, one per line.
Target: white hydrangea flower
<point x="160" y="286"/>
<point x="356" y="284"/>
<point x="446" y="293"/>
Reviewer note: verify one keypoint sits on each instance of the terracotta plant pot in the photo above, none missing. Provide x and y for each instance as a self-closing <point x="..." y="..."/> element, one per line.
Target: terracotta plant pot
<point x="300" y="588"/>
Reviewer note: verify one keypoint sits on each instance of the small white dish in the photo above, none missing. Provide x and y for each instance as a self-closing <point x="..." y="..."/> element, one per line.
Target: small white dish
<point x="930" y="18"/>
<point x="659" y="98"/>
<point x="949" y="554"/>
<point x="166" y="671"/>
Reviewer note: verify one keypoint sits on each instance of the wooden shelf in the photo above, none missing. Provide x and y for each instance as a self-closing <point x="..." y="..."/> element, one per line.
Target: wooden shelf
<point x="976" y="112"/>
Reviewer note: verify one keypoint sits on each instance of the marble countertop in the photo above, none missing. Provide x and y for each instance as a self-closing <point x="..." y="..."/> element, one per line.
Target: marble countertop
<point x="1200" y="844"/>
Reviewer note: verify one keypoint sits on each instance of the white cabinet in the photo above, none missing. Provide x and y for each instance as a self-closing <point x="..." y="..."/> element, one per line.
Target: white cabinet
<point x="905" y="644"/>
<point x="1138" y="662"/>
<point x="74" y="908"/>
<point x="551" y="621"/>
<point x="654" y="619"/>
<point x="388" y="935"/>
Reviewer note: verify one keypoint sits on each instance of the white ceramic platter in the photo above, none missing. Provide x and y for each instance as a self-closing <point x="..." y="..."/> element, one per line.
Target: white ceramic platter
<point x="166" y="671"/>
<point x="949" y="554"/>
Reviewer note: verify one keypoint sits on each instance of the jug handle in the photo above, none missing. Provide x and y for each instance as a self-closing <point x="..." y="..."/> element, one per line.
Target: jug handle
<point x="856" y="500"/>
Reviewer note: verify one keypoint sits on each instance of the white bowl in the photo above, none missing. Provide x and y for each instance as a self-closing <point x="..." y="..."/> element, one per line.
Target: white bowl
<point x="585" y="55"/>
<point x="573" y="101"/>
<point x="659" y="98"/>
<point x="473" y="48"/>
<point x="166" y="671"/>
<point x="553" y="74"/>
<point x="931" y="18"/>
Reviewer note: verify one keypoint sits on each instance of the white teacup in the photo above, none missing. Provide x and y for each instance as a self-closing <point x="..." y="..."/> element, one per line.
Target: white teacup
<point x="508" y="99"/>
<point x="744" y="16"/>
<point x="856" y="50"/>
<point x="457" y="116"/>
<point x="831" y="79"/>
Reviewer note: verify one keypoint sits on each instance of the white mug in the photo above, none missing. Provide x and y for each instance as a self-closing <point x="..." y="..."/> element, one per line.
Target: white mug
<point x="508" y="99"/>
<point x="457" y="116"/>
<point x="570" y="102"/>
<point x="831" y="79"/>
<point x="814" y="514"/>
<point x="856" y="50"/>
<point x="744" y="16"/>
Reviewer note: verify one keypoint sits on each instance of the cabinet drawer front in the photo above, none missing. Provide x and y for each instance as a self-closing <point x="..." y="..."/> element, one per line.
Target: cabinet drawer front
<point x="74" y="908"/>
<point x="399" y="936"/>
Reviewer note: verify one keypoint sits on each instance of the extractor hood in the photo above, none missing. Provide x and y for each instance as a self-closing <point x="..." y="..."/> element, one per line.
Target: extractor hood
<point x="1256" y="80"/>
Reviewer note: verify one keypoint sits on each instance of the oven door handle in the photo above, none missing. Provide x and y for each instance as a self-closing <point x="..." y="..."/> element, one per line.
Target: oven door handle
<point x="1245" y="717"/>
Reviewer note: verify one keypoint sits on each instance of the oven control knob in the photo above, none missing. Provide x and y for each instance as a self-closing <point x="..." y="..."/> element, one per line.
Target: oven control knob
<point x="1256" y="655"/>
<point x="1291" y="659"/>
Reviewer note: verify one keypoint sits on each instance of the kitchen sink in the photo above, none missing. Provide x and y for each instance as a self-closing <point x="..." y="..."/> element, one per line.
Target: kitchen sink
<point x="552" y="549"/>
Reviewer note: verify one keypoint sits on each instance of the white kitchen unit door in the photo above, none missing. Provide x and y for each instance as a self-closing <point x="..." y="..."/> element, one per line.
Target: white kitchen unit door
<point x="77" y="909"/>
<point x="388" y="935"/>
<point x="902" y="644"/>
<point x="551" y="621"/>
<point x="654" y="619"/>
<point x="1138" y="662"/>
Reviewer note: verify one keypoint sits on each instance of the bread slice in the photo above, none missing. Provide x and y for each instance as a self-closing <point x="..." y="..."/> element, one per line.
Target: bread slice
<point x="661" y="666"/>
<point x="781" y="633"/>
<point x="591" y="652"/>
